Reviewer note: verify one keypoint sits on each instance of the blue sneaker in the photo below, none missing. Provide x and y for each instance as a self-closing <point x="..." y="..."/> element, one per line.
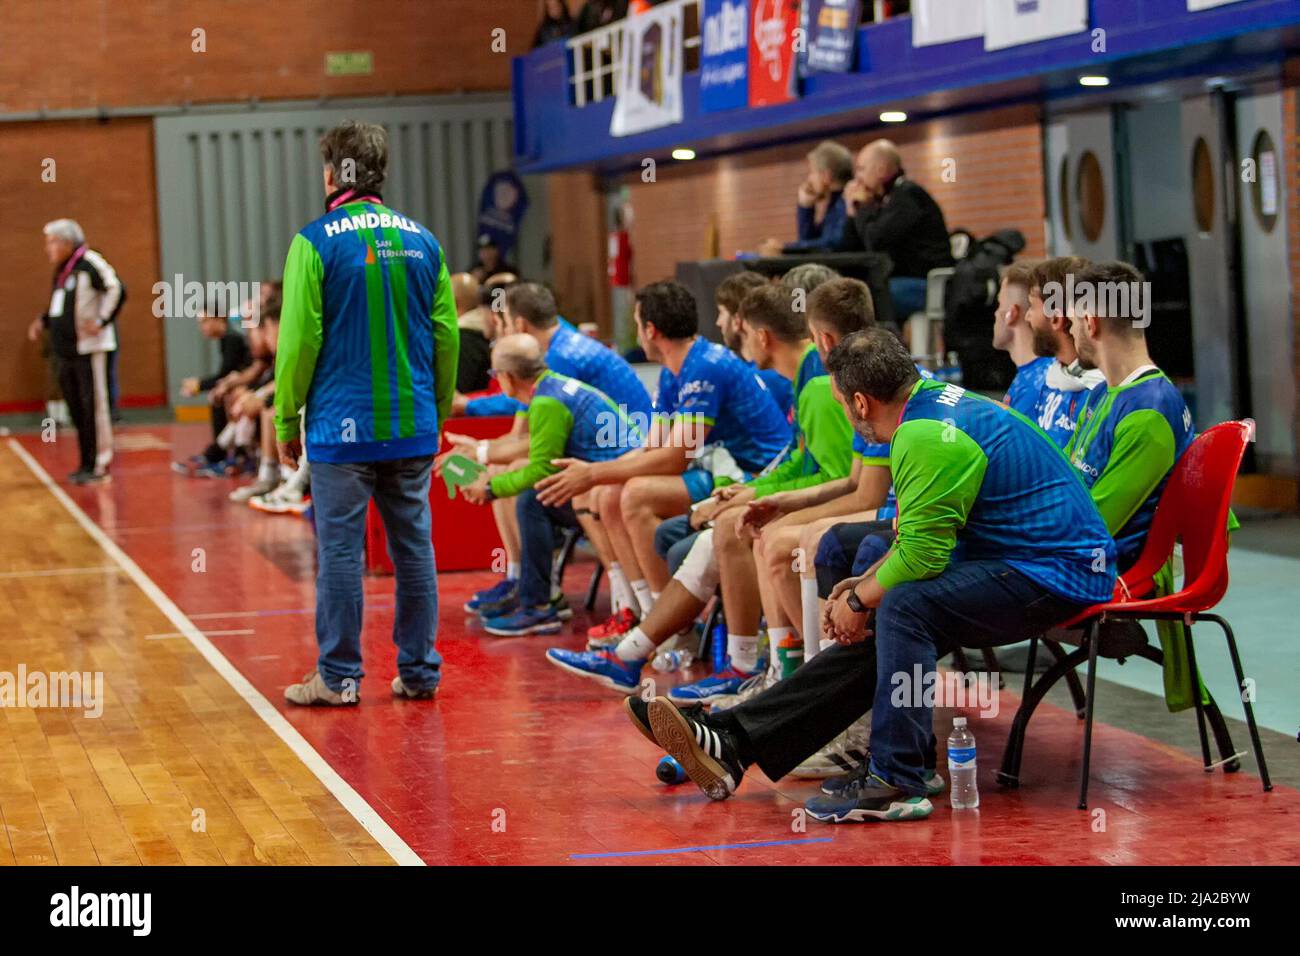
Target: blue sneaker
<point x="873" y="800"/>
<point x="847" y="783"/>
<point x="216" y="469"/>
<point x="714" y="687"/>
<point x="497" y="592"/>
<point x="533" y="620"/>
<point x="604" y="667"/>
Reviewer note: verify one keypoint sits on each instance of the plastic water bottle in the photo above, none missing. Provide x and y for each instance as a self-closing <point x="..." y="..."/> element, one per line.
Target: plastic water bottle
<point x="961" y="766"/>
<point x="719" y="647"/>
<point x="666" y="662"/>
<point x="669" y="770"/>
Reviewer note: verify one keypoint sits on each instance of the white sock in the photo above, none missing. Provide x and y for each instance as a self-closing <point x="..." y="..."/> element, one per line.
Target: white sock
<point x="812" y="624"/>
<point x="775" y="635"/>
<point x="635" y="646"/>
<point x="286" y="473"/>
<point x="654" y="595"/>
<point x="512" y="570"/>
<point x="620" y="592"/>
<point x="268" y="470"/>
<point x="298" y="480"/>
<point x="643" y="596"/>
<point x="743" y="649"/>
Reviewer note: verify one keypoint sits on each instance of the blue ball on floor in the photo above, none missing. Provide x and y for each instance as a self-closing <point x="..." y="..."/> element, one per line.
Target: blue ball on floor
<point x="670" y="771"/>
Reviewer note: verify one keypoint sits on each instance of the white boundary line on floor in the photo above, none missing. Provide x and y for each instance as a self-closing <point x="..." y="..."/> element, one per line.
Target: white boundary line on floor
<point x="352" y="801"/>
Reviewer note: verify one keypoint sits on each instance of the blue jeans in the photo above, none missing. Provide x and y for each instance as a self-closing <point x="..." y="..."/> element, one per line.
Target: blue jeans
<point x="971" y="604"/>
<point x="341" y="494"/>
<point x="537" y="545"/>
<point x="908" y="294"/>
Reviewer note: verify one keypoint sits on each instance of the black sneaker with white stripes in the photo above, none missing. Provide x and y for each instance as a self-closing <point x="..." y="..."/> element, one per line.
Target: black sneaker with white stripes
<point x="708" y="755"/>
<point x="638" y="708"/>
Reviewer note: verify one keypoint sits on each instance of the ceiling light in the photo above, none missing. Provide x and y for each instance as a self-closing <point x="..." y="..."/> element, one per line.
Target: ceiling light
<point x="893" y="116"/>
<point x="1094" y="81"/>
<point x="683" y="154"/>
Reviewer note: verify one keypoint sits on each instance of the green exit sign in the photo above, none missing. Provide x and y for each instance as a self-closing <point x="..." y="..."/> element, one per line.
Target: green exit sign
<point x="350" y="63"/>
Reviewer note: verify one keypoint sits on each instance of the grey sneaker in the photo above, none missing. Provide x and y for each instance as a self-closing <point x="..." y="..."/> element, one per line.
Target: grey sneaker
<point x="313" y="691"/>
<point x="401" y="690"/>
<point x="260" y="487"/>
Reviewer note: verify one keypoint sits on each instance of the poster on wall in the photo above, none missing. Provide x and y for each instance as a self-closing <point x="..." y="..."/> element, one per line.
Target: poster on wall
<point x="831" y="29"/>
<point x="946" y="21"/>
<point x="649" y="88"/>
<point x="1013" y="22"/>
<point x="1207" y="4"/>
<point x="501" y="207"/>
<point x="771" y="51"/>
<point x="724" y="61"/>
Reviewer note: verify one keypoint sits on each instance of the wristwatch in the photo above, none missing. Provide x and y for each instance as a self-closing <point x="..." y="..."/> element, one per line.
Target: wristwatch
<point x="855" y="605"/>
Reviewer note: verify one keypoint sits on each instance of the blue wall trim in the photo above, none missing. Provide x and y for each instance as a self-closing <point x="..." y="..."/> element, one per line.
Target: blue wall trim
<point x="1146" y="41"/>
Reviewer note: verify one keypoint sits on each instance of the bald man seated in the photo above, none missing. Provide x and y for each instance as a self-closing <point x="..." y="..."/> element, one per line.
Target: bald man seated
<point x="569" y="421"/>
<point x="890" y="213"/>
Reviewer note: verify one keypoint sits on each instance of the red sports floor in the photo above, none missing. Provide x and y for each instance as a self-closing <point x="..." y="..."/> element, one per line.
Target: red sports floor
<point x="511" y="740"/>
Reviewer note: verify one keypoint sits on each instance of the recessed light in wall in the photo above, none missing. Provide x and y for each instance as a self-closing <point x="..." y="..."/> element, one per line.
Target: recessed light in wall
<point x="893" y="116"/>
<point x="1094" y="81"/>
<point x="683" y="154"/>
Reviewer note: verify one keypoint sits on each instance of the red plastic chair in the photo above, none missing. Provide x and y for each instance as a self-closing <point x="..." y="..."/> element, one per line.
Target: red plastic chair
<point x="1193" y="509"/>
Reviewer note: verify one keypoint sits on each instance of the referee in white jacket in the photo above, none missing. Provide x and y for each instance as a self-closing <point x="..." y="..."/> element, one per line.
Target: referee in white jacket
<point x="84" y="301"/>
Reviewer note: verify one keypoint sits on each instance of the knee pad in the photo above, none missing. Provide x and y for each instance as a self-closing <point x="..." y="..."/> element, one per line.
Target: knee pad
<point x="699" y="572"/>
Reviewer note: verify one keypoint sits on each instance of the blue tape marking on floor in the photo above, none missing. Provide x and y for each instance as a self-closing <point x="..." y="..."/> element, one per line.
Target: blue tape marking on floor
<point x="697" y="849"/>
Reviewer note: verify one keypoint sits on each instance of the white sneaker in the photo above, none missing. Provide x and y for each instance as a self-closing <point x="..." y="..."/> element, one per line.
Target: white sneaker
<point x="260" y="487"/>
<point x="285" y="500"/>
<point x="750" y="689"/>
<point x="839" y="756"/>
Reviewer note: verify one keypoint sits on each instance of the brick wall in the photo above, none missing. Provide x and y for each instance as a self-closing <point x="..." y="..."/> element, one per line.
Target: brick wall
<point x="576" y="211"/>
<point x="104" y="180"/>
<point x="88" y="53"/>
<point x="738" y="201"/>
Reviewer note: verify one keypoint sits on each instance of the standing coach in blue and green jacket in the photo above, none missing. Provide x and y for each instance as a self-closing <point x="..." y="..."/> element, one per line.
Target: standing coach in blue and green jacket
<point x="369" y="346"/>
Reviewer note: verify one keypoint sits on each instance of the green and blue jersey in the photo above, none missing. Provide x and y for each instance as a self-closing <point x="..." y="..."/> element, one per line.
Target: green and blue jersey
<point x="368" y="336"/>
<point x="822" y="433"/>
<point x="877" y="454"/>
<point x="1126" y="445"/>
<point x="977" y="481"/>
<point x="568" y="418"/>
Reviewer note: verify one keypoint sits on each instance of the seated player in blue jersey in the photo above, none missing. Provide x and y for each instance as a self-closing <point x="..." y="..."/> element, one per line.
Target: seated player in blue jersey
<point x="1135" y="425"/>
<point x="675" y="536"/>
<point x="982" y="558"/>
<point x="530" y="308"/>
<point x="1065" y="385"/>
<point x="567" y="419"/>
<point x="1012" y="334"/>
<point x="1132" y="431"/>
<point x="715" y="423"/>
<point x="775" y="336"/>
